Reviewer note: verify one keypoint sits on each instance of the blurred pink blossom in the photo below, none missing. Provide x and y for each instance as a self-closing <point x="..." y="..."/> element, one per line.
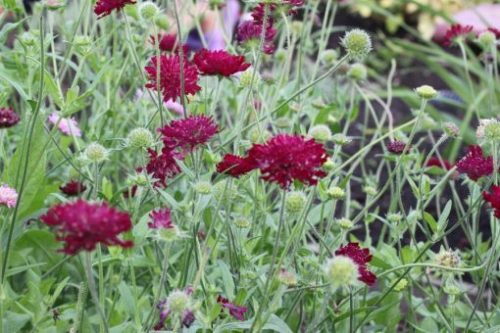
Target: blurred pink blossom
<point x="8" y="196"/>
<point x="67" y="126"/>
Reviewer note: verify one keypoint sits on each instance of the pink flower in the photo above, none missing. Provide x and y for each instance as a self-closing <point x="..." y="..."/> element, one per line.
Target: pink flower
<point x="82" y="225"/>
<point x="160" y="219"/>
<point x="67" y="126"/>
<point x="174" y="106"/>
<point x="361" y="257"/>
<point x="8" y="196"/>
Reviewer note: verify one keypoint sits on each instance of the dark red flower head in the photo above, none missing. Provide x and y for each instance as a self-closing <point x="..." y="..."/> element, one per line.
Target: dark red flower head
<point x="361" y="257"/>
<point x="188" y="133"/>
<point x="168" y="43"/>
<point x="235" y="165"/>
<point x="160" y="219"/>
<point x="475" y="164"/>
<point x="219" y="62"/>
<point x="238" y="312"/>
<point x="436" y="162"/>
<point x="285" y="158"/>
<point x="169" y="81"/>
<point x="493" y="197"/>
<point x="73" y="188"/>
<point x="396" y="147"/>
<point x="105" y="7"/>
<point x="162" y="166"/>
<point x="8" y="118"/>
<point x="454" y="31"/>
<point x="82" y="225"/>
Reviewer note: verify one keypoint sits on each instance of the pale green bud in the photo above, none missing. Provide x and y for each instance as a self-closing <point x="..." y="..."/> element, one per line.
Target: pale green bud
<point x="320" y="133"/>
<point x="140" y="138"/>
<point x="357" y="44"/>
<point x="426" y="92"/>
<point x="357" y="72"/>
<point x="336" y="192"/>
<point x="96" y="153"/>
<point x="295" y="202"/>
<point x="148" y="10"/>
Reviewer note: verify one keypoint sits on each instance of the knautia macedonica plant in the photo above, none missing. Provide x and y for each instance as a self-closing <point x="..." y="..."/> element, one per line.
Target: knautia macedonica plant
<point x="246" y="166"/>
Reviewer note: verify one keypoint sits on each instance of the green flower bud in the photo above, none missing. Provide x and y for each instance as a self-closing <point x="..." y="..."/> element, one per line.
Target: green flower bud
<point x="27" y="39"/>
<point x="402" y="284"/>
<point x="340" y="139"/>
<point x="394" y="217"/>
<point x="329" y="165"/>
<point x="297" y="27"/>
<point x="242" y="222"/>
<point x="169" y="234"/>
<point x="203" y="187"/>
<point x="320" y="133"/>
<point x="287" y="278"/>
<point x="336" y="193"/>
<point x="258" y="136"/>
<point x="341" y="271"/>
<point x="282" y="122"/>
<point x="246" y="79"/>
<point x="329" y="57"/>
<point x="492" y="130"/>
<point x="487" y="39"/>
<point x="451" y="130"/>
<point x="357" y="44"/>
<point x="295" y="201"/>
<point x="370" y="190"/>
<point x="345" y="223"/>
<point x="357" y="72"/>
<point x="148" y="10"/>
<point x="140" y="138"/>
<point x="162" y="22"/>
<point x="178" y="301"/>
<point x="280" y="55"/>
<point x="426" y="92"/>
<point x="447" y="258"/>
<point x="96" y="153"/>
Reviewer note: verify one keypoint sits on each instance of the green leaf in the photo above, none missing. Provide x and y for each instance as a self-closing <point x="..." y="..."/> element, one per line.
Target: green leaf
<point x="443" y="218"/>
<point x="14" y="322"/>
<point x="274" y="323"/>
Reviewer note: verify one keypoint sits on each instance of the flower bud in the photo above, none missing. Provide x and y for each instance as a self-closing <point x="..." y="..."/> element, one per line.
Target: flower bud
<point x="357" y="72"/>
<point x="370" y="190"/>
<point x="295" y="201"/>
<point x="148" y="10"/>
<point x="297" y="27"/>
<point x="394" y="217"/>
<point x="492" y="130"/>
<point x="287" y="278"/>
<point x="487" y="40"/>
<point x="451" y="130"/>
<point x="345" y="223"/>
<point x="27" y="39"/>
<point x="178" y="301"/>
<point x="341" y="271"/>
<point x="341" y="139"/>
<point x="258" y="135"/>
<point x="357" y="44"/>
<point x="329" y="57"/>
<point x="329" y="165"/>
<point x="203" y="187"/>
<point x="426" y="92"/>
<point x="282" y="122"/>
<point x="280" y="55"/>
<point x="162" y="22"/>
<point x="447" y="258"/>
<point x="140" y="138"/>
<point x="96" y="153"/>
<point x="320" y="133"/>
<point x="402" y="284"/>
<point x="336" y="193"/>
<point x="242" y="222"/>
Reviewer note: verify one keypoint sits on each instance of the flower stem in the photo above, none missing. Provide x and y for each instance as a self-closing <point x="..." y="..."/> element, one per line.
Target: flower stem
<point x="93" y="290"/>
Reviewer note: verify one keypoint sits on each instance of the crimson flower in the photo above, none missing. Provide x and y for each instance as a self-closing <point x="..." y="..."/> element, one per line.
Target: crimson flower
<point x="167" y="43"/>
<point x="285" y="158"/>
<point x="475" y="164"/>
<point x="82" y="225"/>
<point x="238" y="312"/>
<point x="454" y="31"/>
<point x="160" y="219"/>
<point x="73" y="188"/>
<point x="219" y="62"/>
<point x="235" y="165"/>
<point x="249" y="32"/>
<point x="8" y="118"/>
<point x="396" y="147"/>
<point x="105" y="7"/>
<point x="493" y="197"/>
<point x="361" y="257"/>
<point x="169" y="80"/>
<point x="435" y="161"/>
<point x="188" y="133"/>
<point x="162" y="166"/>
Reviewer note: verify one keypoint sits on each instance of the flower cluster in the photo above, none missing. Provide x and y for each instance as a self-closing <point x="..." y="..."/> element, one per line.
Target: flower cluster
<point x="82" y="225"/>
<point x="361" y="257"/>
<point x="475" y="164"/>
<point x="282" y="159"/>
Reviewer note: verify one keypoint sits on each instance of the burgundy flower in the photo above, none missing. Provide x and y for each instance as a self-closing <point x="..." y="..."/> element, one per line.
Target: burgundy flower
<point x="219" y="62"/>
<point x="493" y="197"/>
<point x="361" y="257"/>
<point x="250" y="32"/>
<point x="168" y="43"/>
<point x="130" y="192"/>
<point x="238" y="312"/>
<point x="8" y="118"/>
<point x="169" y="80"/>
<point x="396" y="147"/>
<point x="160" y="219"/>
<point x="82" y="225"/>
<point x="105" y="7"/>
<point x="162" y="166"/>
<point x="188" y="318"/>
<point x="475" y="164"/>
<point x="285" y="158"/>
<point x="495" y="31"/>
<point x="188" y="133"/>
<point x="454" y="31"/>
<point x="435" y="161"/>
<point x="73" y="188"/>
<point x="235" y="165"/>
